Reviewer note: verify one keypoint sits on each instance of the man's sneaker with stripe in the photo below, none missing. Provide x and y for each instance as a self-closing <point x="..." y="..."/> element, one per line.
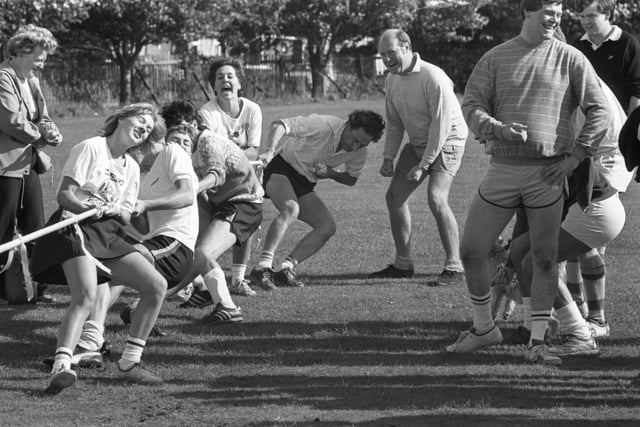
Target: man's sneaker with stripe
<point x="221" y="315"/>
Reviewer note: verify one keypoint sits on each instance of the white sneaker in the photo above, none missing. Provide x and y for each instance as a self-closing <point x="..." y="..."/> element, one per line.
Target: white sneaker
<point x="242" y="288"/>
<point x="185" y="293"/>
<point x="540" y="354"/>
<point x="598" y="329"/>
<point x="573" y="345"/>
<point x="469" y="342"/>
<point x="60" y="380"/>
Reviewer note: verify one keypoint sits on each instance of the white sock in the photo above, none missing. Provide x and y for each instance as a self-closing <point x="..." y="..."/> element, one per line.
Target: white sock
<point x="539" y="325"/>
<point x="92" y="335"/>
<point x="482" y="318"/>
<point x="265" y="260"/>
<point x="572" y="322"/>
<point x="132" y="353"/>
<point x="289" y="262"/>
<point x="237" y="273"/>
<point x="217" y="286"/>
<point x="62" y="360"/>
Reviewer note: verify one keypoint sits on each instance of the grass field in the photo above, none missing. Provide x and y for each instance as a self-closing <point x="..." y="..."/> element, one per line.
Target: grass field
<point x="344" y="350"/>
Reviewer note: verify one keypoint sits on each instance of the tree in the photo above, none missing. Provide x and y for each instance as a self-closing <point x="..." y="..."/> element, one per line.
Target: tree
<point x="55" y="15"/>
<point x="121" y="28"/>
<point x="326" y="23"/>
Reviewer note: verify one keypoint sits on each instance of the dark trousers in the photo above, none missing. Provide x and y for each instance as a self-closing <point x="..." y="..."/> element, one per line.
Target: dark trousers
<point x="21" y="199"/>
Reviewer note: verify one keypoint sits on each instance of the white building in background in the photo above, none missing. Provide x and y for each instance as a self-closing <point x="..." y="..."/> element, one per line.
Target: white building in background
<point x="162" y="53"/>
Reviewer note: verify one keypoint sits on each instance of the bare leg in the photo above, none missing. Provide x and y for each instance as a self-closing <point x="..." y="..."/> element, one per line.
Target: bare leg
<point x="438" y="192"/>
<point x="284" y="199"/>
<point x="313" y="212"/>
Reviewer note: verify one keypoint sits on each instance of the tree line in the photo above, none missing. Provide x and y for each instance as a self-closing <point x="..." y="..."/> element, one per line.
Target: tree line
<point x="452" y="34"/>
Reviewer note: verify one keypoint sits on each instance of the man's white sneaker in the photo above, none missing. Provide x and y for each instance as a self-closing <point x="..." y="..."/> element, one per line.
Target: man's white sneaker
<point x="598" y="329"/>
<point x="242" y="288"/>
<point x="574" y="345"/>
<point x="469" y="341"/>
<point x="60" y="380"/>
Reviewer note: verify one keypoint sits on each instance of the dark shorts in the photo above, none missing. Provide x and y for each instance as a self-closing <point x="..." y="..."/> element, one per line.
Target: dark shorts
<point x="245" y="218"/>
<point x="172" y="259"/>
<point x="301" y="185"/>
<point x="104" y="238"/>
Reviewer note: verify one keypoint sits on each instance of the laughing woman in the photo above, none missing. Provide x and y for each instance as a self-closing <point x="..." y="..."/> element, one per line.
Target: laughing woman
<point x="100" y="173"/>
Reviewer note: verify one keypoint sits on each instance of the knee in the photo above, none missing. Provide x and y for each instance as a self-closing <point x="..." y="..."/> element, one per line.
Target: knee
<point x="393" y="199"/>
<point x="438" y="201"/>
<point x="85" y="299"/>
<point x="327" y="229"/>
<point x="290" y="210"/>
<point x="157" y="287"/>
<point x="545" y="261"/>
<point x="471" y="254"/>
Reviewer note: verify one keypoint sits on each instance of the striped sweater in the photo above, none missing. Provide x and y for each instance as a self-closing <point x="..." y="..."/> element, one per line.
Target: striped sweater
<point x="537" y="85"/>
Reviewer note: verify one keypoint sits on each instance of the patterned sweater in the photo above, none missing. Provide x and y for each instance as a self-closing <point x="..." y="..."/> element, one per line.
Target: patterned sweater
<point x="537" y="85"/>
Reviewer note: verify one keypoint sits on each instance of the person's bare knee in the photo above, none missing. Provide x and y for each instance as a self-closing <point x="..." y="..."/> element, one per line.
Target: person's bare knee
<point x="327" y="229"/>
<point x="290" y="210"/>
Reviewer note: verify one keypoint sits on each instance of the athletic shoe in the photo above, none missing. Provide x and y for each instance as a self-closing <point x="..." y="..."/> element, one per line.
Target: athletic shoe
<point x="446" y="278"/>
<point x="522" y="336"/>
<point x="127" y="314"/>
<point x="60" y="380"/>
<point x="46" y="299"/>
<point x="574" y="345"/>
<point x="199" y="299"/>
<point x="88" y="359"/>
<point x="598" y="329"/>
<point x="263" y="278"/>
<point x="392" y="272"/>
<point x="540" y="354"/>
<point x="469" y="342"/>
<point x="83" y="358"/>
<point x="242" y="288"/>
<point x="183" y="294"/>
<point x="139" y="375"/>
<point x="221" y="315"/>
<point x="287" y="278"/>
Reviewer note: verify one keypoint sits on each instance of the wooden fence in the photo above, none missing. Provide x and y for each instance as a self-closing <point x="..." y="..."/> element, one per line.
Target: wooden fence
<point x="76" y="88"/>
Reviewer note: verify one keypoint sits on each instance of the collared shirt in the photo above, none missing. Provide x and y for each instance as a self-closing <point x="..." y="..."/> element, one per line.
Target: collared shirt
<point x="315" y="139"/>
<point x="614" y="35"/>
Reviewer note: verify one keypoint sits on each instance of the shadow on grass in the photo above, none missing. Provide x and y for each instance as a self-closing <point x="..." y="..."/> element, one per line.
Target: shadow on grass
<point x="413" y="392"/>
<point x="454" y="420"/>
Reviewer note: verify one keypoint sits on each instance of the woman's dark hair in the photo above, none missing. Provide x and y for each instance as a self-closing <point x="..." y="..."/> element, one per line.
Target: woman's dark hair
<point x="218" y="63"/>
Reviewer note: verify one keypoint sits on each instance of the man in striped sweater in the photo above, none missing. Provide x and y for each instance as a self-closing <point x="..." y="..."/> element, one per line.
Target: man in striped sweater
<point x="518" y="101"/>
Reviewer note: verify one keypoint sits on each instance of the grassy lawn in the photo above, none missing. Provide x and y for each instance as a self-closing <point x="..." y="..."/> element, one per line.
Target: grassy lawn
<point x="342" y="351"/>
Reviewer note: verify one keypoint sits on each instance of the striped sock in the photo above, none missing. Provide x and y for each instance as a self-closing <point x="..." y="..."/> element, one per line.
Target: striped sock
<point x="237" y="273"/>
<point x="132" y="353"/>
<point x="574" y="281"/>
<point x="539" y="325"/>
<point x="594" y="289"/>
<point x="482" y="318"/>
<point x="62" y="360"/>
<point x="265" y="260"/>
